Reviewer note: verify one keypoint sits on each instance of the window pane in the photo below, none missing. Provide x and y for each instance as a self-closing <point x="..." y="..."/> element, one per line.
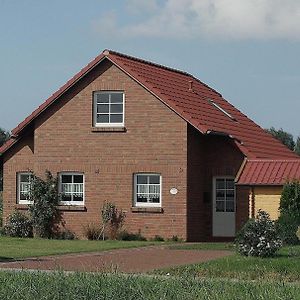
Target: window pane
<point x="23" y="196"/>
<point x="142" y="189"/>
<point x="78" y="198"/>
<point x="141" y="179"/>
<point x="220" y="195"/>
<point x="25" y="177"/>
<point x="116" y="98"/>
<point x="102" y="98"/>
<point x="154" y="179"/>
<point x="116" y="108"/>
<point x="230" y="206"/>
<point x="229" y="184"/>
<point x="66" y="178"/>
<point x="141" y="198"/>
<point x="154" y="188"/>
<point x="102" y="118"/>
<point x="78" y="178"/>
<point x="116" y="118"/>
<point x="66" y="197"/>
<point x="220" y="206"/>
<point x="220" y="184"/>
<point x="153" y="198"/>
<point x="102" y="108"/>
<point x="230" y="194"/>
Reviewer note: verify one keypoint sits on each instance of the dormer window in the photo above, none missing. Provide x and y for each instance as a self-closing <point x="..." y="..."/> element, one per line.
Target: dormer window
<point x="108" y="109"/>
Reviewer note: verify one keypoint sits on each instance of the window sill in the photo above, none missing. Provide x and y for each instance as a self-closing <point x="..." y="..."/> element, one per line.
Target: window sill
<point x="21" y="206"/>
<point x="155" y="210"/>
<point x="71" y="207"/>
<point x="109" y="129"/>
<point x="60" y="207"/>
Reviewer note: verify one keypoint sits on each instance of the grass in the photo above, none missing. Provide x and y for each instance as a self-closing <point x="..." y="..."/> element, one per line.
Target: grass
<point x="203" y="246"/>
<point x="18" y="248"/>
<point x="24" y="285"/>
<point x="285" y="266"/>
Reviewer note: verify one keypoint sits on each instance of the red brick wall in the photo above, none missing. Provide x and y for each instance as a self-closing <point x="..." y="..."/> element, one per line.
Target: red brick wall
<point x="155" y="141"/>
<point x="208" y="156"/>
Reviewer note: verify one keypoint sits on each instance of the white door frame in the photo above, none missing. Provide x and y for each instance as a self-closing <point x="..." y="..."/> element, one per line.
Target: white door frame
<point x="223" y="223"/>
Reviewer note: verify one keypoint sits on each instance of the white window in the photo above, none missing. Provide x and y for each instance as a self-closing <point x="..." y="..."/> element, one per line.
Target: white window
<point x="225" y="195"/>
<point x="24" y="184"/>
<point x="108" y="109"/>
<point x="71" y="188"/>
<point x="147" y="190"/>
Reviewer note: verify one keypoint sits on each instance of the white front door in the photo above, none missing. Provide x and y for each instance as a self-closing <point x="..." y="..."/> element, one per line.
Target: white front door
<point x="223" y="207"/>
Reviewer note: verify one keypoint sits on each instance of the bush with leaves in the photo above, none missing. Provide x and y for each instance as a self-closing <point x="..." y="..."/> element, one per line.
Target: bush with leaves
<point x="18" y="225"/>
<point x="43" y="210"/>
<point x="258" y="237"/>
<point x="127" y="236"/>
<point x="112" y="220"/>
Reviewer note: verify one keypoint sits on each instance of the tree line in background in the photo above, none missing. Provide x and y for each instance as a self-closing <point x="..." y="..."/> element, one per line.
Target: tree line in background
<point x="286" y="139"/>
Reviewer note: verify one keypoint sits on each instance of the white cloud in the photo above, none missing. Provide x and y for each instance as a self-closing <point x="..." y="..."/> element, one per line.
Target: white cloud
<point x="226" y="19"/>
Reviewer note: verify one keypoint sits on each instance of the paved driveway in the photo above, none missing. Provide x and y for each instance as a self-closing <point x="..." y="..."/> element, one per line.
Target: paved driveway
<point x="135" y="260"/>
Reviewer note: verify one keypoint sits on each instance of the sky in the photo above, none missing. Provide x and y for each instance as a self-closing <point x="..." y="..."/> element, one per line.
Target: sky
<point x="248" y="50"/>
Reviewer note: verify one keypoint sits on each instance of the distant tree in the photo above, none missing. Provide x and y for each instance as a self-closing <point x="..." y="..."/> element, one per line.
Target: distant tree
<point x="4" y="136"/>
<point x="283" y="136"/>
<point x="297" y="147"/>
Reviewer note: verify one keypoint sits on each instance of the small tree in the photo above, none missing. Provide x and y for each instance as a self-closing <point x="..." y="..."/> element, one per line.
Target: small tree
<point x="112" y="218"/>
<point x="43" y="210"/>
<point x="289" y="219"/>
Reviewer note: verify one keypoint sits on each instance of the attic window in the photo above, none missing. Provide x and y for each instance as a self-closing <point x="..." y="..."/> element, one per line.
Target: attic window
<point x="108" y="109"/>
<point x="222" y="110"/>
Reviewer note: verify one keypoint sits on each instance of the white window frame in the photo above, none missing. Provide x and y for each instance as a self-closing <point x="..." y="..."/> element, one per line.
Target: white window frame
<point x="83" y="188"/>
<point x="225" y="190"/>
<point x="19" y="174"/>
<point x="141" y="204"/>
<point x="109" y="113"/>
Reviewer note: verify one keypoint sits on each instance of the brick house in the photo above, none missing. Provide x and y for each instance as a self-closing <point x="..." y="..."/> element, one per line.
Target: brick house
<point x="156" y="141"/>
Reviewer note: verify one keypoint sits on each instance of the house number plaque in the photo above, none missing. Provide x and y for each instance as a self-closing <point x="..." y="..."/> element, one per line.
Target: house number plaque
<point x="173" y="191"/>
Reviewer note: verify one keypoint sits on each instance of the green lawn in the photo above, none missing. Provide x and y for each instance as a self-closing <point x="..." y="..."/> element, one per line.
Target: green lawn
<point x="203" y="246"/>
<point x="26" y="286"/>
<point x="15" y="248"/>
<point x="284" y="267"/>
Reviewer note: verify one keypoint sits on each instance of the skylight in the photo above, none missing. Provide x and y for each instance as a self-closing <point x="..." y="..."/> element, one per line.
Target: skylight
<point x="222" y="110"/>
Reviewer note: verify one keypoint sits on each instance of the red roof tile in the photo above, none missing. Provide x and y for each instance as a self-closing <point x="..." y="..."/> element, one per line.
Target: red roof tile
<point x="269" y="172"/>
<point x="173" y="87"/>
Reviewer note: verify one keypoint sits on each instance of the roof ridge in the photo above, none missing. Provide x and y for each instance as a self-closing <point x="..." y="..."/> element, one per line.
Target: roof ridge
<point x="109" y="51"/>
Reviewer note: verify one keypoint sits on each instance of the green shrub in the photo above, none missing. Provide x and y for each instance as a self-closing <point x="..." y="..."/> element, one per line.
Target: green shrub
<point x="158" y="238"/>
<point x="18" y="225"/>
<point x="287" y="225"/>
<point x="126" y="236"/>
<point x="43" y="210"/>
<point x="258" y="237"/>
<point x="65" y="234"/>
<point x="289" y="219"/>
<point x="290" y="199"/>
<point x="92" y="231"/>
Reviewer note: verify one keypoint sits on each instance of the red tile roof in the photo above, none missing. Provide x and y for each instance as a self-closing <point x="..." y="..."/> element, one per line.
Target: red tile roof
<point x="269" y="172"/>
<point x="187" y="96"/>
